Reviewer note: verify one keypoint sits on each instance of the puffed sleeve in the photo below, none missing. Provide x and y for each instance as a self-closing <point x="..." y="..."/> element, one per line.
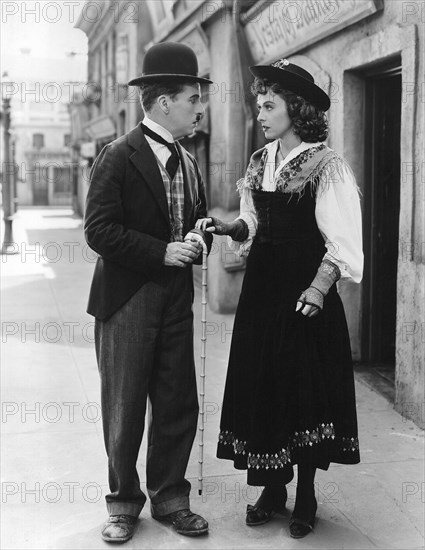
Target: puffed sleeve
<point x="338" y="217"/>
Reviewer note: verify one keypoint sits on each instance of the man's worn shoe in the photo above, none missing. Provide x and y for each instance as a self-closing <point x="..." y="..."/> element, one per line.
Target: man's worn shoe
<point x="119" y="528"/>
<point x="185" y="522"/>
<point x="269" y="504"/>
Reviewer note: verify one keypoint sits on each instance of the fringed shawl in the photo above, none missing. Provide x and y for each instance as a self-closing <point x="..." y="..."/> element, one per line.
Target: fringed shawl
<point x="318" y="166"/>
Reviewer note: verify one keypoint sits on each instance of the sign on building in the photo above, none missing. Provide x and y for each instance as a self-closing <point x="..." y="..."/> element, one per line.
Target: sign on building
<point x="274" y="29"/>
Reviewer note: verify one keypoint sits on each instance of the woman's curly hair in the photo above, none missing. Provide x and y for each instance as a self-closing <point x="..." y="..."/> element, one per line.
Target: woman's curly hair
<point x="309" y="122"/>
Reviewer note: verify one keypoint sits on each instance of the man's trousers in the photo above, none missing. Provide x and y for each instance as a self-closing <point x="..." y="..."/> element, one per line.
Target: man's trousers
<point x="145" y="350"/>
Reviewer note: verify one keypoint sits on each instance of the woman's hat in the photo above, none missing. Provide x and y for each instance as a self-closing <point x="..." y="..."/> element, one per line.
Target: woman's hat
<point x="294" y="79"/>
<point x="169" y="61"/>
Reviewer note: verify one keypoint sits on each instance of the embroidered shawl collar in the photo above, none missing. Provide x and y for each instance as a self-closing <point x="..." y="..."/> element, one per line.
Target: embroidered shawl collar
<point x="294" y="176"/>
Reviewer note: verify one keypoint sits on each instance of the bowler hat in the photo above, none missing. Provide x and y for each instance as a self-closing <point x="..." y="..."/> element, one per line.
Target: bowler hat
<point x="294" y="79"/>
<point x="169" y="62"/>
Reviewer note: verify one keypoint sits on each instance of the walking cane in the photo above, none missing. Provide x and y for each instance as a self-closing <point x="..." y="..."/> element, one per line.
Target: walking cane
<point x="198" y="238"/>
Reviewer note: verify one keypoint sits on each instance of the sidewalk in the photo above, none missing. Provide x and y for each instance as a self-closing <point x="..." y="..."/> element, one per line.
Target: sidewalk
<point x="54" y="468"/>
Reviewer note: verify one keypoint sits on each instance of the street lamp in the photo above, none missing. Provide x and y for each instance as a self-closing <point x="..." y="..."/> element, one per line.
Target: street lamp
<point x="74" y="152"/>
<point x="8" y="180"/>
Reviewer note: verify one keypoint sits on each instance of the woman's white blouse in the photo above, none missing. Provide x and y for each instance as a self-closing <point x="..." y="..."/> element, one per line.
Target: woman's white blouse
<point x="338" y="214"/>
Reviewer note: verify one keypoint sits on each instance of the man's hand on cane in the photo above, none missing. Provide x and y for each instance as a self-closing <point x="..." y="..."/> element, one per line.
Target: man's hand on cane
<point x="195" y="236"/>
<point x="181" y="254"/>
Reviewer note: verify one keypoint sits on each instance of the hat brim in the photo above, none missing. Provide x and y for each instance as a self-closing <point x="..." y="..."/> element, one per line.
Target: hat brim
<point x="168" y="78"/>
<point x="293" y="83"/>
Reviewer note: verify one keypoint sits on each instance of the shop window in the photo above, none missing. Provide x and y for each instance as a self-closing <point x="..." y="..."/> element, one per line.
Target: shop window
<point x="38" y="141"/>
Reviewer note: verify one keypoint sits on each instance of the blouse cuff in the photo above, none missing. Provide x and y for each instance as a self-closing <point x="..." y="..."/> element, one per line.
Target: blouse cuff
<point x="251" y="222"/>
<point x="346" y="272"/>
<point x="243" y="248"/>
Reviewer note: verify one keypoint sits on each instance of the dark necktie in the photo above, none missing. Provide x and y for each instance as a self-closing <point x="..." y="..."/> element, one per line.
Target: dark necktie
<point x="173" y="161"/>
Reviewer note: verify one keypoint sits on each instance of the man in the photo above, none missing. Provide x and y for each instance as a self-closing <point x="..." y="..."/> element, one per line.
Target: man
<point x="145" y="195"/>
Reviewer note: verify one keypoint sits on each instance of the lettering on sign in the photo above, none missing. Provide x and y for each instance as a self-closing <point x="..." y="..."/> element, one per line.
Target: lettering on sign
<point x="280" y="28"/>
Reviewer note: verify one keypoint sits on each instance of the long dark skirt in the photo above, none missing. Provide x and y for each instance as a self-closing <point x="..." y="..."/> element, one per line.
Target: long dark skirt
<point x="289" y="394"/>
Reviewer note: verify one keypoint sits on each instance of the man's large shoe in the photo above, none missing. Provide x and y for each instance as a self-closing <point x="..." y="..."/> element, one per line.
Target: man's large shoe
<point x="119" y="528"/>
<point x="185" y="522"/>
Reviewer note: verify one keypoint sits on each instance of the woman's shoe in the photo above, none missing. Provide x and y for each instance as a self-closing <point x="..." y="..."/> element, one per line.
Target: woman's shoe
<point x="299" y="528"/>
<point x="269" y="504"/>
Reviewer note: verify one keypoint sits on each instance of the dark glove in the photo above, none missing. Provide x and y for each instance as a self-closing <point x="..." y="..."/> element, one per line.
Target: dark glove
<point x="237" y="230"/>
<point x="327" y="274"/>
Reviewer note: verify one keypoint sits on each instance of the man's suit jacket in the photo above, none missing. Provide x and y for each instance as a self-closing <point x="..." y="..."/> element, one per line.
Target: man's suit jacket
<point x="127" y="221"/>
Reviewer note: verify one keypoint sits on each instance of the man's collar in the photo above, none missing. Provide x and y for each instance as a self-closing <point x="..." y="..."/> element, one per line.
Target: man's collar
<point x="160" y="130"/>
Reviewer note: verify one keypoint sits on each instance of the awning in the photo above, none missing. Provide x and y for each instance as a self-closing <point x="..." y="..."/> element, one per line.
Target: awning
<point x="100" y="128"/>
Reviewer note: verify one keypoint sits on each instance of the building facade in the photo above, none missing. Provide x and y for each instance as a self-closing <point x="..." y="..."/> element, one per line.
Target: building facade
<point x="368" y="55"/>
<point x="41" y="130"/>
<point x="117" y="34"/>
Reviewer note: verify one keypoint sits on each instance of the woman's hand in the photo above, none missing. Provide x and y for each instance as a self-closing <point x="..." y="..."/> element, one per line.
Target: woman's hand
<point x="205" y="224"/>
<point x="214" y="225"/>
<point x="310" y="303"/>
<point x="237" y="230"/>
<point x="312" y="299"/>
<point x="307" y="309"/>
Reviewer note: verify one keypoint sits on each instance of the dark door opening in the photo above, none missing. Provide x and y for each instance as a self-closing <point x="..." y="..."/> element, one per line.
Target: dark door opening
<point x="381" y="217"/>
<point x="40" y="185"/>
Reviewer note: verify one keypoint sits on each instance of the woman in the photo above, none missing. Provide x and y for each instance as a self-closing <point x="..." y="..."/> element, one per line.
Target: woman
<point x="289" y="396"/>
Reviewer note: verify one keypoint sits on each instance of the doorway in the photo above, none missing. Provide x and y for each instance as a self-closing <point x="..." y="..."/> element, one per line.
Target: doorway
<point x="381" y="216"/>
<point x="40" y="185"/>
